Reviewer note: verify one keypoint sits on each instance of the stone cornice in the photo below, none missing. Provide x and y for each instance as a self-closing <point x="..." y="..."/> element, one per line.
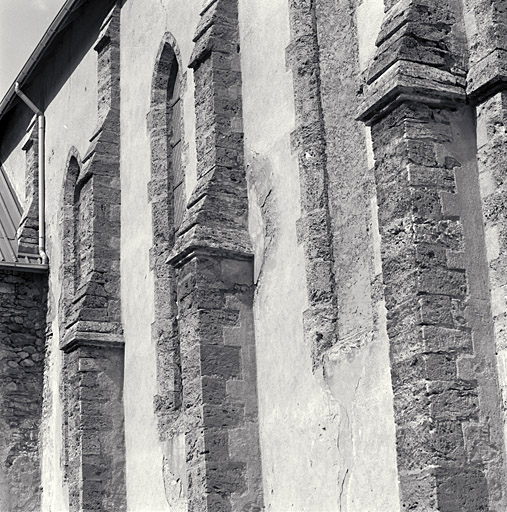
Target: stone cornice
<point x="488" y="76"/>
<point x="410" y="81"/>
<point x="84" y="334"/>
<point x="421" y="57"/>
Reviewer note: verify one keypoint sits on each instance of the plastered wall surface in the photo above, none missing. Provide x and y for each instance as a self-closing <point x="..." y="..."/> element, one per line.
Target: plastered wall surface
<point x="69" y="113"/>
<point x="356" y="369"/>
<point x="70" y="122"/>
<point x="334" y="419"/>
<point x="330" y="437"/>
<point x="298" y="419"/>
<point x="325" y="419"/>
<point x="142" y="34"/>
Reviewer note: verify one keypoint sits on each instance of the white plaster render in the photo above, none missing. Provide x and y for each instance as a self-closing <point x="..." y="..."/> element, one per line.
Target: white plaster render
<point x="142" y="32"/>
<point x="369" y="16"/>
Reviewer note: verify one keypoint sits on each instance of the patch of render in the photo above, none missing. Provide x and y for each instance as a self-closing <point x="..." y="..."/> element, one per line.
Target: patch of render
<point x="167" y="195"/>
<point x="51" y="432"/>
<point x="90" y="324"/>
<point x="309" y="143"/>
<point x="262" y="212"/>
<point x="356" y="368"/>
<point x="446" y="407"/>
<point x="22" y="324"/>
<point x="53" y="486"/>
<point x="213" y="258"/>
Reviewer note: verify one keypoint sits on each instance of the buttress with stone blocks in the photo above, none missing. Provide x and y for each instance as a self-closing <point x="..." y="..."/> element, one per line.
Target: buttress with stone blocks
<point x="253" y="257"/>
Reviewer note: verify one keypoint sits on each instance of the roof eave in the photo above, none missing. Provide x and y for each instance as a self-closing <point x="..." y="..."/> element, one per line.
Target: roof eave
<point x="38" y="53"/>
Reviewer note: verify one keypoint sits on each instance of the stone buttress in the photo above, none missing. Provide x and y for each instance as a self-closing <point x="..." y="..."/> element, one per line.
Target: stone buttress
<point x="486" y="23"/>
<point x="92" y="336"/>
<point x="447" y="403"/>
<point x="214" y="266"/>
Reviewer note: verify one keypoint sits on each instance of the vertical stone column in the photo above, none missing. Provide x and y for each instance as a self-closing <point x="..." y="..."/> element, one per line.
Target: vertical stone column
<point x="445" y="385"/>
<point x="22" y="322"/>
<point x="93" y="336"/>
<point x="214" y="263"/>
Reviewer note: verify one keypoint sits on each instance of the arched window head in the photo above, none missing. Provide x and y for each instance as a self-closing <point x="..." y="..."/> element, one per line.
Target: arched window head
<point x="166" y="135"/>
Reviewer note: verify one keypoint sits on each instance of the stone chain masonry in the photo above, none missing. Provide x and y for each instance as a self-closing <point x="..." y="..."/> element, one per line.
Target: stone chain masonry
<point x="214" y="261"/>
<point x="165" y="331"/>
<point x="309" y="142"/>
<point x="446" y="411"/>
<point x="92" y="337"/>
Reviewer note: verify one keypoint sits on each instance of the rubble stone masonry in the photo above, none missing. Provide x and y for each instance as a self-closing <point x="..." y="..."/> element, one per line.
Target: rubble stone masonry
<point x="22" y="325"/>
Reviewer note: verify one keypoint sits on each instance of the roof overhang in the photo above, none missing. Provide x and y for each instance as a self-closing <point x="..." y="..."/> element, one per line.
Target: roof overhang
<point x="61" y="20"/>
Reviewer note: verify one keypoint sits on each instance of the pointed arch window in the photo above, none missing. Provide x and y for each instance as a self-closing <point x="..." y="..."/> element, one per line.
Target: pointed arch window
<point x="168" y="203"/>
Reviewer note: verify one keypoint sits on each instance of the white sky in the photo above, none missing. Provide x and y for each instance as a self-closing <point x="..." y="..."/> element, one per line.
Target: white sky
<point x="22" y="24"/>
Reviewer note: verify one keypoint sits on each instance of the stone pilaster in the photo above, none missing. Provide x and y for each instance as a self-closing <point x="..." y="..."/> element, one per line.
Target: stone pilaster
<point x="447" y="408"/>
<point x="309" y="143"/>
<point x="92" y="332"/>
<point x="214" y="262"/>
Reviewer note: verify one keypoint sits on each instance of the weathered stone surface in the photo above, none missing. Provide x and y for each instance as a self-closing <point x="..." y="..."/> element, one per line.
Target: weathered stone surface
<point x="213" y="261"/>
<point x="23" y="298"/>
<point x="90" y="314"/>
<point x="374" y="309"/>
<point x="309" y="143"/>
<point x="429" y="298"/>
<point x="28" y="230"/>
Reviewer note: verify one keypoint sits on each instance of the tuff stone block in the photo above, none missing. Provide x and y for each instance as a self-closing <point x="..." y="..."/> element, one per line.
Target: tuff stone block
<point x="309" y="144"/>
<point x="90" y="313"/>
<point x="425" y="271"/>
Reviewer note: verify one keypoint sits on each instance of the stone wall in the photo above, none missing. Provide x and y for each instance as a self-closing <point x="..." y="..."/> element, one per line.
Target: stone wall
<point x="90" y="313"/>
<point x="22" y="350"/>
<point x="279" y="310"/>
<point x="447" y="401"/>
